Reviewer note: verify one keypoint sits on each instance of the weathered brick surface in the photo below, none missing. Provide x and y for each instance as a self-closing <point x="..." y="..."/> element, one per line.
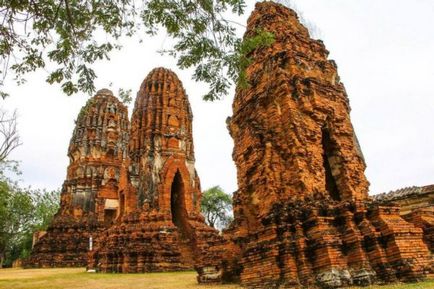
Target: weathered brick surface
<point x="302" y="213"/>
<point x="424" y="219"/>
<point x="417" y="207"/>
<point x="89" y="198"/>
<point x="161" y="228"/>
<point x="134" y="189"/>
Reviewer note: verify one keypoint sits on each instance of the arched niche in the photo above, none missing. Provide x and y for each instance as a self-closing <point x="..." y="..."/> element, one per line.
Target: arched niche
<point x="122" y="202"/>
<point x="178" y="208"/>
<point x="171" y="167"/>
<point x="329" y="162"/>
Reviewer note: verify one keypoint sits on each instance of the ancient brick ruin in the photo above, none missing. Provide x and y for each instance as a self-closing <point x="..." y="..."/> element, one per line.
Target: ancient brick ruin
<point x="302" y="212"/>
<point x="133" y="189"/>
<point x="303" y="217"/>
<point x="409" y="199"/>
<point x="162" y="228"/>
<point x="89" y="198"/>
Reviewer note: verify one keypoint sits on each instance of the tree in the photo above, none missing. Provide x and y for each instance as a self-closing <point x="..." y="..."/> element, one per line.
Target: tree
<point x="66" y="37"/>
<point x="16" y="214"/>
<point x="23" y="212"/>
<point x="9" y="136"/>
<point x="46" y="205"/>
<point x="216" y="205"/>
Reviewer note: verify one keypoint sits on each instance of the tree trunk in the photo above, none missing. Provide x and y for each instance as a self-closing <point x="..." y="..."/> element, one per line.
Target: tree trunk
<point x="210" y="221"/>
<point x="2" y="258"/>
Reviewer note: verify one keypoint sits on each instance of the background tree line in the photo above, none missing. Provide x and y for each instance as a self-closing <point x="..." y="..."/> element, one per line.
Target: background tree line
<point x="23" y="211"/>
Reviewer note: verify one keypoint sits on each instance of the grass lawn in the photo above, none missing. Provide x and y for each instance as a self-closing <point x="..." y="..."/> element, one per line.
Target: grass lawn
<point x="77" y="278"/>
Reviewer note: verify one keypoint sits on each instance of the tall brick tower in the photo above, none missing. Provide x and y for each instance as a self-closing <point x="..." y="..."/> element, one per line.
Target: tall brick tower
<point x="302" y="214"/>
<point x="96" y="172"/>
<point x="161" y="146"/>
<point x="162" y="229"/>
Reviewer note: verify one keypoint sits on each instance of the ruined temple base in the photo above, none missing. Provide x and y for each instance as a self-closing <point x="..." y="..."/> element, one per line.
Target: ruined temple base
<point x="424" y="218"/>
<point x="331" y="244"/>
<point x="65" y="244"/>
<point x="150" y="242"/>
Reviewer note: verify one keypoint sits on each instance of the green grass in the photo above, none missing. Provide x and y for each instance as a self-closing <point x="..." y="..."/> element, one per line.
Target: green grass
<point x="77" y="278"/>
<point x="428" y="284"/>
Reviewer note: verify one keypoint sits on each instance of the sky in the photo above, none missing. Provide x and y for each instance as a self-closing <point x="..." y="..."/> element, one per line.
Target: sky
<point x="385" y="55"/>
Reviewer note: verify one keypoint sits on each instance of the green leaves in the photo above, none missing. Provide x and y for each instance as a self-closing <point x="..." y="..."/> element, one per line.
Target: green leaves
<point x="216" y="206"/>
<point x="22" y="212"/>
<point x="15" y="215"/>
<point x="85" y="80"/>
<point x="244" y="49"/>
<point x="203" y="38"/>
<point x="207" y="41"/>
<point x="46" y="204"/>
<point x="125" y="95"/>
<point x="60" y="36"/>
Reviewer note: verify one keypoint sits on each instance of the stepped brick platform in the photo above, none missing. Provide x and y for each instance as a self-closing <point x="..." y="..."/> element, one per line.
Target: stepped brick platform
<point x="424" y="219"/>
<point x="161" y="229"/>
<point x="66" y="243"/>
<point x="302" y="212"/>
<point x="89" y="198"/>
<point x="417" y="207"/>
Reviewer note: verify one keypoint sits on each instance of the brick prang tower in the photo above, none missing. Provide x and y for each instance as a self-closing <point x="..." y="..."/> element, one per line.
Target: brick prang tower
<point x="161" y="227"/>
<point x="302" y="213"/>
<point x="96" y="173"/>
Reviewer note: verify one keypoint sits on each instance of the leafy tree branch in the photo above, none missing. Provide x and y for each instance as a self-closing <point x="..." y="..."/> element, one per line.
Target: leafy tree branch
<point x="60" y="36"/>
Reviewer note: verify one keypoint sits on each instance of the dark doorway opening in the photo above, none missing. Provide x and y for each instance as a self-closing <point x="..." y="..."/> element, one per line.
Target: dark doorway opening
<point x="122" y="204"/>
<point x="109" y="216"/>
<point x="177" y="205"/>
<point x="328" y="152"/>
